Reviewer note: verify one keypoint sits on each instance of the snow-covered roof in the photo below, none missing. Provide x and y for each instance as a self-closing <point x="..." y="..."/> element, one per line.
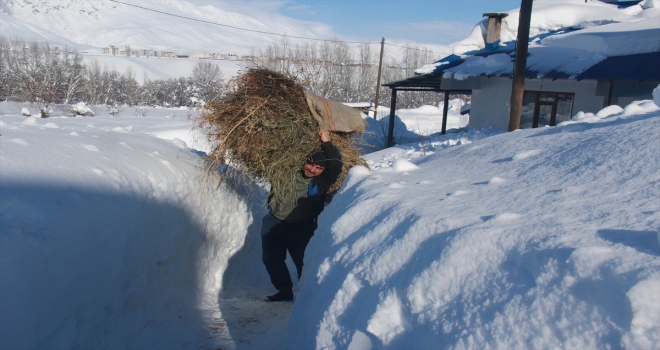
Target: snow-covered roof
<point x="569" y="40"/>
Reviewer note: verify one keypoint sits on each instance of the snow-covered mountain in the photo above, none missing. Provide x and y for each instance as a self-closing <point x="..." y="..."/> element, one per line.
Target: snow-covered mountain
<point x="93" y="24"/>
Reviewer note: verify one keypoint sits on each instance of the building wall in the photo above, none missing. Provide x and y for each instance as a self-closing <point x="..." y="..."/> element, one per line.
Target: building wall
<point x="586" y="99"/>
<point x="490" y="103"/>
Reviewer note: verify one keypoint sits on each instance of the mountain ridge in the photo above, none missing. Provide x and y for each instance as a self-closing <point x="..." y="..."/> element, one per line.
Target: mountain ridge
<point x="94" y="24"/>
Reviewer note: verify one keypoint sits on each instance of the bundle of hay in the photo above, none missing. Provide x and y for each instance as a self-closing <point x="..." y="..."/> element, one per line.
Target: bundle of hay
<point x="265" y="129"/>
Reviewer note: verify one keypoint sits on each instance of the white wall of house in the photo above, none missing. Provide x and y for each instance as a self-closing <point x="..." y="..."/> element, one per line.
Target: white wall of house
<point x="490" y="103"/>
<point x="586" y="99"/>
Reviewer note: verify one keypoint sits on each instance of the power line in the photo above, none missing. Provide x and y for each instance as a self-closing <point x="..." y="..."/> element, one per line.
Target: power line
<point x="249" y="30"/>
<point x="270" y="33"/>
<point x="412" y="48"/>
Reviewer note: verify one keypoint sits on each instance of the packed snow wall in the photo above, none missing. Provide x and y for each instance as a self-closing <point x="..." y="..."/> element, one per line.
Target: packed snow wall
<point x="109" y="238"/>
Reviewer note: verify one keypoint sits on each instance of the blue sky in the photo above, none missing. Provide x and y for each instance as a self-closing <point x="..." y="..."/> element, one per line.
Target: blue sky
<point x="439" y="22"/>
<point x="423" y="21"/>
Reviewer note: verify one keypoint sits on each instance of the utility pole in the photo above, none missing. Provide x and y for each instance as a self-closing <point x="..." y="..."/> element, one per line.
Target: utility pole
<point x="520" y="66"/>
<point x="380" y="69"/>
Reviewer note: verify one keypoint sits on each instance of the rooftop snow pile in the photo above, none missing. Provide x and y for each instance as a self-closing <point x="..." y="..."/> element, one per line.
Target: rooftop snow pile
<point x="569" y="34"/>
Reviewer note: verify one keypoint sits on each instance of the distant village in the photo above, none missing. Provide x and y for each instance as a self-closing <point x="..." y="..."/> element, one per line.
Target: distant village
<point x="127" y="51"/>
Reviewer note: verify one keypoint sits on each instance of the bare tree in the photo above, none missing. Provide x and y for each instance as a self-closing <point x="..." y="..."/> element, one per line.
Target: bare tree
<point x="38" y="72"/>
<point x="205" y="73"/>
<point x="366" y="79"/>
<point x="207" y="79"/>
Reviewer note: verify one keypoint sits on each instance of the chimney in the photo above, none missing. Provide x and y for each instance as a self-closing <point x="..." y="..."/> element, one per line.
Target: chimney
<point x="494" y="29"/>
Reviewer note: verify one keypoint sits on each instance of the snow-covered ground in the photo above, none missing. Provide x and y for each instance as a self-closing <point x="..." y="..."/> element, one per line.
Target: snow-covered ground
<point x="538" y="238"/>
<point x="112" y="237"/>
<point x="160" y="67"/>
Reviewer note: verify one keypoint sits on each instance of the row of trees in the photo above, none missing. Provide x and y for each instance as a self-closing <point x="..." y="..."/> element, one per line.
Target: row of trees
<point x="333" y="70"/>
<point x="39" y="73"/>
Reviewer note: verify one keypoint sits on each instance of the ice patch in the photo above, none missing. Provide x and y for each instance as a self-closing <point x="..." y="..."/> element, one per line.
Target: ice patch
<point x="98" y="171"/>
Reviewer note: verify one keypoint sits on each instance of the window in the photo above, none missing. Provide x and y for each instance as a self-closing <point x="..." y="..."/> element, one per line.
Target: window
<point x="545" y="108"/>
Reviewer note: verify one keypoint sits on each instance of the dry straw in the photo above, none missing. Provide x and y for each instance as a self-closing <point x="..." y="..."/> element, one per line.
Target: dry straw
<point x="264" y="129"/>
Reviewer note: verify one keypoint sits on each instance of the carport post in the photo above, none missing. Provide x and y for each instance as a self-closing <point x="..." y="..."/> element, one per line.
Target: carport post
<point x="390" y="132"/>
<point x="445" y="110"/>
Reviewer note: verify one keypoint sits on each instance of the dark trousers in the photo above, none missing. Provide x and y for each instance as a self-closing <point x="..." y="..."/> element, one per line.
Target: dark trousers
<point x="278" y="237"/>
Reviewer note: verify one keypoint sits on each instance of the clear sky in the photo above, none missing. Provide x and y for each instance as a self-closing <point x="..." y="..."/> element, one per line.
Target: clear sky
<point x="425" y="21"/>
<point x="439" y="22"/>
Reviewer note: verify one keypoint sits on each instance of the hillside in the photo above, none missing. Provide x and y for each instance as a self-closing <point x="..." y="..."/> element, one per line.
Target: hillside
<point x="91" y="25"/>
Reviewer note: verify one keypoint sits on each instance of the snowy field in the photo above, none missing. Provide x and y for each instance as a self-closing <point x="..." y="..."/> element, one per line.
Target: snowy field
<point x="539" y="238"/>
<point x="160" y="67"/>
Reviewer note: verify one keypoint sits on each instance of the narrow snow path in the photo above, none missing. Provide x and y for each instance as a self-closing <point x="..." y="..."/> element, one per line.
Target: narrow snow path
<point x="250" y="323"/>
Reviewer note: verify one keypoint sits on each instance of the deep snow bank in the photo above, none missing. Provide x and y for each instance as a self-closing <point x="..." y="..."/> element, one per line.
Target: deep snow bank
<point x="539" y="238"/>
<point x="107" y="238"/>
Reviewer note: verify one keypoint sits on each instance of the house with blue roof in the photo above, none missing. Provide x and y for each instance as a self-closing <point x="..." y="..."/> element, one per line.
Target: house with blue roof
<point x="582" y="68"/>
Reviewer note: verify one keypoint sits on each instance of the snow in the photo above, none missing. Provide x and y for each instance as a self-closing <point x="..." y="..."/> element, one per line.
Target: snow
<point x="93" y="24"/>
<point x="538" y="238"/>
<point x="571" y="35"/>
<point x="419" y="124"/>
<point x="160" y="67"/>
<point x="534" y="239"/>
<point x="109" y="236"/>
<point x="112" y="237"/>
<point x="81" y="108"/>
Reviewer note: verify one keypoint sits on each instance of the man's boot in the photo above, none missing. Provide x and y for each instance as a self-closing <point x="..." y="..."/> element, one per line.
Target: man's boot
<point x="285" y="295"/>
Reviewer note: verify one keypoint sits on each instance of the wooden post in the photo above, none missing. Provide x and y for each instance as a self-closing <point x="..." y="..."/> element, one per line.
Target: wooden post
<point x="445" y="111"/>
<point x="518" y="83"/>
<point x="390" y="131"/>
<point x="380" y="68"/>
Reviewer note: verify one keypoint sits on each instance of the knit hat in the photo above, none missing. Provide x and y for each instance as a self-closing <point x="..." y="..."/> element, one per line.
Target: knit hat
<point x="318" y="158"/>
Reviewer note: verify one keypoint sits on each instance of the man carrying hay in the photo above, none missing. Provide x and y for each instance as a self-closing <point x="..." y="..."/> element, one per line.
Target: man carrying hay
<point x="266" y="127"/>
<point x="291" y="222"/>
